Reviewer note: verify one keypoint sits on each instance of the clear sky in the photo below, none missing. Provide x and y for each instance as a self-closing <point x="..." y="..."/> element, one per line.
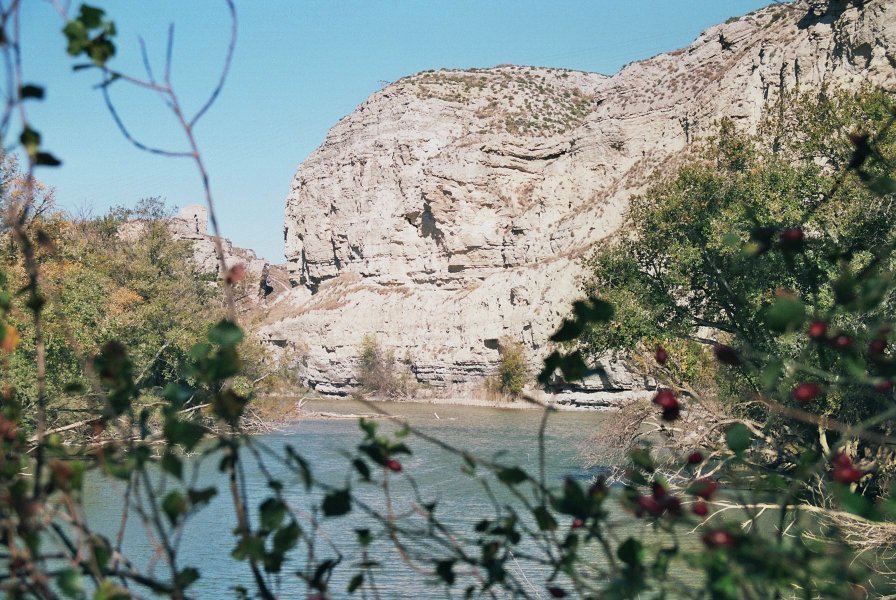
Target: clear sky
<point x="300" y="66"/>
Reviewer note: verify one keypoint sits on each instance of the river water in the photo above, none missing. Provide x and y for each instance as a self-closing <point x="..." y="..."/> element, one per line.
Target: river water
<point x="510" y="436"/>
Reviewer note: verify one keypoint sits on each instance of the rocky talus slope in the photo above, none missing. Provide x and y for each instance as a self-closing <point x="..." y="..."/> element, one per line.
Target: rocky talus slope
<point x="451" y="209"/>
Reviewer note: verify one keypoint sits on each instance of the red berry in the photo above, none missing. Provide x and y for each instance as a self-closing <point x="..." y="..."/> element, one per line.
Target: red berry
<point x="661" y="355"/>
<point x="842" y="342"/>
<point x="665" y="399"/>
<point x="700" y="508"/>
<point x="393" y="465"/>
<point x="877" y="346"/>
<point x="648" y="505"/>
<point x="718" y="538"/>
<point x="695" y="457"/>
<point x="7" y="429"/>
<point x="791" y="238"/>
<point x="848" y="474"/>
<point x="806" y="392"/>
<point x="841" y="460"/>
<point x="235" y="274"/>
<point x="818" y="329"/>
<point x="577" y="523"/>
<point x="671" y="505"/>
<point x="659" y="490"/>
<point x="704" y="488"/>
<point x="884" y="386"/>
<point x="726" y="355"/>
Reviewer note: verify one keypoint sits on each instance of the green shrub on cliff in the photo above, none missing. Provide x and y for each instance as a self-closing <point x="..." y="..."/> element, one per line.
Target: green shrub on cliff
<point x="380" y="373"/>
<point x="513" y="371"/>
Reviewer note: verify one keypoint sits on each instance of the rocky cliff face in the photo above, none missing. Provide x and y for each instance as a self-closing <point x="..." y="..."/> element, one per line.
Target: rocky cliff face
<point x="262" y="281"/>
<point x="452" y="208"/>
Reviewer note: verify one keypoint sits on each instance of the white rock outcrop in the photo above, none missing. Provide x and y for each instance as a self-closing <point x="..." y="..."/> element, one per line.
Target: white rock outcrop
<point x="261" y="280"/>
<point x="451" y="209"/>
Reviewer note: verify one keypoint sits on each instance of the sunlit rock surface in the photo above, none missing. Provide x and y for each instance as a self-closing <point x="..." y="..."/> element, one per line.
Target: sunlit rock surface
<point x="452" y="208"/>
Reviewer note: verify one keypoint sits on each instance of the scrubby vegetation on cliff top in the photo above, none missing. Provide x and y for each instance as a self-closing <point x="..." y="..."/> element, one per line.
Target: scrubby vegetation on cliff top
<point x="515" y="100"/>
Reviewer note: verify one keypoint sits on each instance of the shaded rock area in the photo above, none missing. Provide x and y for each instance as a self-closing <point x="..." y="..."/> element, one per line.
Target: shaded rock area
<point x="452" y="208"/>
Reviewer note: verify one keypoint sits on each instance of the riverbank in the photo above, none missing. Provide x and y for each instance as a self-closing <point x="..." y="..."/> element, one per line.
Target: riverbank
<point x="282" y="409"/>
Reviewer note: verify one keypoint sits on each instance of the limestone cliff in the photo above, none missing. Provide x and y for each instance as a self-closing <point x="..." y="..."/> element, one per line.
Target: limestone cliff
<point x="452" y="208"/>
<point x="261" y="281"/>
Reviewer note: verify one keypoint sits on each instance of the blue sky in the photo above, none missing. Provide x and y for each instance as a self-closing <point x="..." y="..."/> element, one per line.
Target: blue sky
<point x="299" y="67"/>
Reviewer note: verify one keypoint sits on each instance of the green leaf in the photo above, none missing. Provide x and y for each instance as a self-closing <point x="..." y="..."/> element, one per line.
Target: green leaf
<point x="91" y="16"/>
<point x="641" y="457"/>
<point x="286" y="538"/>
<point x="69" y="583"/>
<point x="75" y="387"/>
<point x="110" y="591"/>
<point x="46" y="159"/>
<point x="225" y="333"/>
<point x="304" y="467"/>
<point x="30" y="140"/>
<point x="512" y="475"/>
<point x="101" y="550"/>
<point x="594" y="310"/>
<point x="631" y="552"/>
<point x="573" y="366"/>
<point x="229" y="406"/>
<point x="786" y="314"/>
<point x="364" y="537"/>
<point x="201" y="496"/>
<point x="249" y="546"/>
<point x="445" y="571"/>
<point x="883" y="185"/>
<point x="100" y="51"/>
<point x="172" y="464"/>
<point x="738" y="438"/>
<point x="732" y="240"/>
<point x="174" y="504"/>
<point x="546" y="521"/>
<point x="550" y="365"/>
<point x="362" y="468"/>
<point x="856" y="503"/>
<point x="272" y="512"/>
<point x="356" y="582"/>
<point x="185" y="433"/>
<point x="770" y="374"/>
<point x="76" y="34"/>
<point x="337" y="503"/>
<point x="569" y="330"/>
<point x="187" y="576"/>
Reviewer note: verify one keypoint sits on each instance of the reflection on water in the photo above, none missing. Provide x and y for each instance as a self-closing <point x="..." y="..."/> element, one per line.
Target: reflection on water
<point x="507" y="435"/>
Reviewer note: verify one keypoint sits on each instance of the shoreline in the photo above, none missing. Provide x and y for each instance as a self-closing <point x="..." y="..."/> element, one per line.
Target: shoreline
<point x="328" y="407"/>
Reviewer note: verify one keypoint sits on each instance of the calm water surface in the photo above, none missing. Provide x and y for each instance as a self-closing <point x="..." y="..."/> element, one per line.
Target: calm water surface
<point x="507" y="435"/>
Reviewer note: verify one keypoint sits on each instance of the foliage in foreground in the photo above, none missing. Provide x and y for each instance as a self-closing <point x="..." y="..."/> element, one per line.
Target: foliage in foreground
<point x="571" y="531"/>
